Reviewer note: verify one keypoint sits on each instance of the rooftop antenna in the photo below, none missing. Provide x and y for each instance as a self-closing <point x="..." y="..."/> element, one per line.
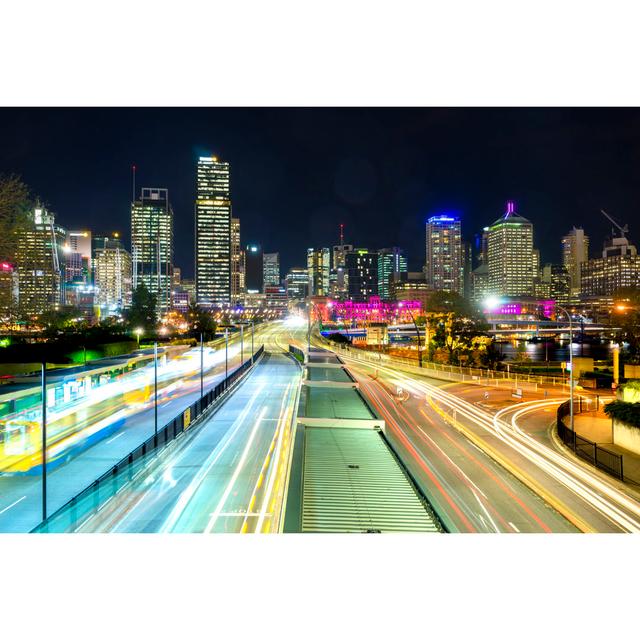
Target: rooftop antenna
<point x="341" y="234"/>
<point x="622" y="230"/>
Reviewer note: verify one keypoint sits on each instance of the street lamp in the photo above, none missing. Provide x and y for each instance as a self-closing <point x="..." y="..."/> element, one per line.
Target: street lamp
<point x="226" y="353"/>
<point x="570" y="363"/>
<point x="252" y="342"/>
<point x="138" y="331"/>
<point x="400" y="304"/>
<point x="155" y="393"/>
<point x="201" y="366"/>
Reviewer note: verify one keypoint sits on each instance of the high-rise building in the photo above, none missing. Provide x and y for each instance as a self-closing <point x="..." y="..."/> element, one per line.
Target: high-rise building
<point x="391" y="263"/>
<point x="254" y="268"/>
<point x="78" y="257"/>
<point x="618" y="267"/>
<point x="213" y="233"/>
<point x="361" y="274"/>
<point x="555" y="283"/>
<point x="152" y="244"/>
<point x="112" y="274"/>
<point x="318" y="267"/>
<point x="297" y="283"/>
<point x="575" y="251"/>
<point x="444" y="266"/>
<point x="176" y="279"/>
<point x="237" y="263"/>
<point x="480" y="246"/>
<point x="40" y="263"/>
<point x="510" y="255"/>
<point x="271" y="270"/>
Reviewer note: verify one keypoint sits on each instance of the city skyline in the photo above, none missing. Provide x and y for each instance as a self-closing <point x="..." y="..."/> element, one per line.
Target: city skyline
<point x="379" y="167"/>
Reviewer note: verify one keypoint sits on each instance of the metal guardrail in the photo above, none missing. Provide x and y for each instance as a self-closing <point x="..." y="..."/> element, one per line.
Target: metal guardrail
<point x="585" y="449"/>
<point x="90" y="499"/>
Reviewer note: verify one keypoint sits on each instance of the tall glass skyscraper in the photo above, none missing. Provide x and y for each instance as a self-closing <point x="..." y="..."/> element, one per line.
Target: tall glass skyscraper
<point x="213" y="233"/>
<point x="271" y="269"/>
<point x="444" y="266"/>
<point x="237" y="263"/>
<point x="152" y="244"/>
<point x="318" y="266"/>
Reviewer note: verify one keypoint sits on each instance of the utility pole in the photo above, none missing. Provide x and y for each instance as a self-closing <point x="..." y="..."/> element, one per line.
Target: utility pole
<point x="44" y="441"/>
<point x="226" y="353"/>
<point x="241" y="343"/>
<point x="570" y="364"/>
<point x="252" y="322"/>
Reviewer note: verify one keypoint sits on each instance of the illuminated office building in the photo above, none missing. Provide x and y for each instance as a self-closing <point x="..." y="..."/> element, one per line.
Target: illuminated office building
<point x="361" y="274"/>
<point x="618" y="267"/>
<point x="254" y="269"/>
<point x="112" y="275"/>
<point x="297" y="283"/>
<point x="271" y="270"/>
<point x="510" y="255"/>
<point x="444" y="266"/>
<point x="213" y="233"/>
<point x="318" y="268"/>
<point x="391" y="263"/>
<point x="575" y="251"/>
<point x="152" y="244"/>
<point x="237" y="263"/>
<point x="40" y="262"/>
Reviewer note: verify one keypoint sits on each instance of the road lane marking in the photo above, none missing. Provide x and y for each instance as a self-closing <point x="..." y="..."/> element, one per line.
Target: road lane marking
<point x="115" y="438"/>
<point x="13" y="504"/>
<point x="514" y="526"/>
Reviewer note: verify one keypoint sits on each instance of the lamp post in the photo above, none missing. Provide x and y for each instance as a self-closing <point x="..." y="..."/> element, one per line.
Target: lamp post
<point x="155" y="393"/>
<point x="309" y="304"/>
<point x="44" y="441"/>
<point x="226" y="353"/>
<point x="241" y="343"/>
<point x="417" y="333"/>
<point x="570" y="363"/>
<point x="252" y="342"/>
<point x="138" y="332"/>
<point x="201" y="365"/>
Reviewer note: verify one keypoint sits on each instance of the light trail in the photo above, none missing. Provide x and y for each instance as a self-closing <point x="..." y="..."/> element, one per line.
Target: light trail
<point x="563" y="470"/>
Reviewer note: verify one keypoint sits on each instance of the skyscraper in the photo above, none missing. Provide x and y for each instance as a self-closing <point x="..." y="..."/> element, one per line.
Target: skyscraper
<point x="391" y="263"/>
<point x="618" y="267"/>
<point x="362" y="274"/>
<point x="213" y="233"/>
<point x="40" y="263"/>
<point x="271" y="270"/>
<point x="318" y="266"/>
<point x="112" y="274"/>
<point x="78" y="256"/>
<point x="237" y="263"/>
<point x="444" y="266"/>
<point x="575" y="251"/>
<point x="152" y="244"/>
<point x="510" y="255"/>
<point x="254" y="268"/>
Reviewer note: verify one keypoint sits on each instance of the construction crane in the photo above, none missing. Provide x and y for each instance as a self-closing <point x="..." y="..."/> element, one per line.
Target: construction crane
<point x="622" y="230"/>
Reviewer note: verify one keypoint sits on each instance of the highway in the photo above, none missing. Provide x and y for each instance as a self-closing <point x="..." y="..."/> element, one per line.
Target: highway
<point x="550" y="490"/>
<point x="126" y="426"/>
<point x="229" y="473"/>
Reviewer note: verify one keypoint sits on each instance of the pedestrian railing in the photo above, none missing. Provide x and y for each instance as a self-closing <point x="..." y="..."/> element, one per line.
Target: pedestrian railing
<point x="584" y="448"/>
<point x="89" y="501"/>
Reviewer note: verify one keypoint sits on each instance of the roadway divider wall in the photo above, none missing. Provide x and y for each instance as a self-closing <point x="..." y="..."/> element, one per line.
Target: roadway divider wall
<point x="585" y="449"/>
<point x="98" y="492"/>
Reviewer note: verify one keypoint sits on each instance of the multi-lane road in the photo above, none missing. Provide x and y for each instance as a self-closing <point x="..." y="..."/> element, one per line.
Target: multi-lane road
<point x="487" y="469"/>
<point x="21" y="494"/>
<point x="229" y="473"/>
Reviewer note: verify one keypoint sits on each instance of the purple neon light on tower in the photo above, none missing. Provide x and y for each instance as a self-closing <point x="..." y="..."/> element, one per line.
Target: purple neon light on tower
<point x="511" y="206"/>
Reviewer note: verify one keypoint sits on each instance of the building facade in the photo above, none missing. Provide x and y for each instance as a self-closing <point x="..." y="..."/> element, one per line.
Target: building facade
<point x="297" y="283"/>
<point x="575" y="251"/>
<point x="152" y="244"/>
<point x="237" y="263"/>
<point x="391" y="263"/>
<point x="318" y="268"/>
<point x="510" y="255"/>
<point x="271" y="270"/>
<point x="361" y="270"/>
<point x="213" y="233"/>
<point x="40" y="263"/>
<point x="254" y="268"/>
<point x="444" y="266"/>
<point x="112" y="275"/>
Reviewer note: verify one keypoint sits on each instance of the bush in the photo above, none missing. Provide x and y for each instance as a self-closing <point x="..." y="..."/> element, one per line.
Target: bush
<point x="627" y="412"/>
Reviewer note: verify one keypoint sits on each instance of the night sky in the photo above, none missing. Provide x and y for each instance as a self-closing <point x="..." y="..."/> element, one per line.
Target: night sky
<point x="297" y="173"/>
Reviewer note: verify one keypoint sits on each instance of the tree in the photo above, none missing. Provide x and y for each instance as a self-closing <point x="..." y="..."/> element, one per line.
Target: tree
<point x="626" y="304"/>
<point x="449" y="302"/>
<point x="200" y="322"/>
<point x="142" y="312"/>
